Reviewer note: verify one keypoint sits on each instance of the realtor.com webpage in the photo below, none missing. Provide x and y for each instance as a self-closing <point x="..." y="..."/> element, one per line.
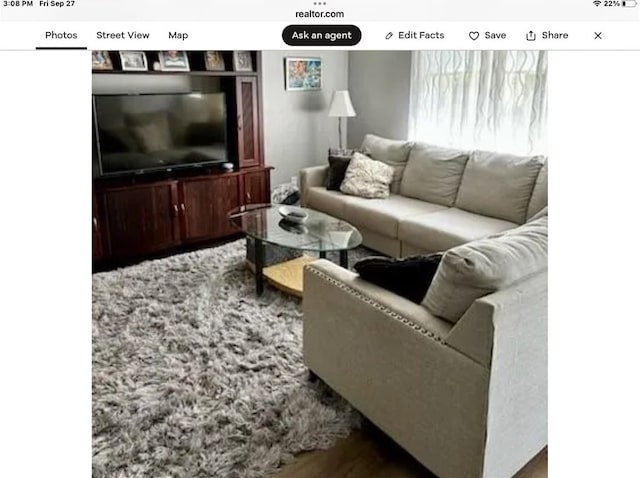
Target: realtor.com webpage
<point x="310" y="238"/>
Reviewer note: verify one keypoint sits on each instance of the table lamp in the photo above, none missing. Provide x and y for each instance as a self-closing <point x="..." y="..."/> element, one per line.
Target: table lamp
<point x="341" y="107"/>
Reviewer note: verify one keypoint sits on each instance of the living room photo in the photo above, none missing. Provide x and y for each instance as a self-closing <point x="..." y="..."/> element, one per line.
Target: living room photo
<point x="319" y="263"/>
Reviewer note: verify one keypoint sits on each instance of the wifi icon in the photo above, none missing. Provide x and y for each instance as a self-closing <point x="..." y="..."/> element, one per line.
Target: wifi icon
<point x="597" y="3"/>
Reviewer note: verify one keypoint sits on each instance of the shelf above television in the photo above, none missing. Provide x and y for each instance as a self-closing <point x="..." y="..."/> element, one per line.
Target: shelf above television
<point x="169" y="73"/>
<point x="198" y="63"/>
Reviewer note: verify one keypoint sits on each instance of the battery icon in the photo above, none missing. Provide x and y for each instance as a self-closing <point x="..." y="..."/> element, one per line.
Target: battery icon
<point x="629" y="3"/>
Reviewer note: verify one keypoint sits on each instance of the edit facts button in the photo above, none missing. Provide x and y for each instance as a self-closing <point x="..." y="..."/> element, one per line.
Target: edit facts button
<point x="321" y="35"/>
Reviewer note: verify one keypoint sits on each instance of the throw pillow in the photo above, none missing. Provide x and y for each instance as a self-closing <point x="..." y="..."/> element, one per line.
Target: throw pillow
<point x="337" y="169"/>
<point x="367" y="178"/>
<point x="482" y="267"/>
<point x="409" y="277"/>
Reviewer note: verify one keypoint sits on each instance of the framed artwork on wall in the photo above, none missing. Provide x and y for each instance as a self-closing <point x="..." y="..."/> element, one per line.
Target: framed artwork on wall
<point x="303" y="74"/>
<point x="242" y="61"/>
<point x="213" y="61"/>
<point x="100" y="60"/>
<point x="173" y="60"/>
<point x="133" y="61"/>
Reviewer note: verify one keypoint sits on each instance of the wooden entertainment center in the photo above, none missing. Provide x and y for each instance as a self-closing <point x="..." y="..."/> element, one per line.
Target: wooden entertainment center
<point x="143" y="215"/>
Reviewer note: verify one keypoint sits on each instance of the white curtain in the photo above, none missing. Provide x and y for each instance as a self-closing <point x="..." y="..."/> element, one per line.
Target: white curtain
<point x="494" y="100"/>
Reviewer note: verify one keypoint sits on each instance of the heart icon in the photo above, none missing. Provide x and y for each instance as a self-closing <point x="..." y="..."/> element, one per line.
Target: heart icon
<point x="474" y="35"/>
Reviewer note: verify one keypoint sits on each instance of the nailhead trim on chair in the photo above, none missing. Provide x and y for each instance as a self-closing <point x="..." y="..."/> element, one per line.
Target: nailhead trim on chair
<point x="377" y="305"/>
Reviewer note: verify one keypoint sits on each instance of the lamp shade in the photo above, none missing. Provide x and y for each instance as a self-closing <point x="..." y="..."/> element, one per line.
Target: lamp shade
<point x="341" y="104"/>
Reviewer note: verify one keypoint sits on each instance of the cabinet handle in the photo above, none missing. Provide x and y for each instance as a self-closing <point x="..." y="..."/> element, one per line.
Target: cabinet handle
<point x="239" y="123"/>
<point x="248" y="196"/>
<point x="95" y="224"/>
<point x="182" y="208"/>
<point x="175" y="209"/>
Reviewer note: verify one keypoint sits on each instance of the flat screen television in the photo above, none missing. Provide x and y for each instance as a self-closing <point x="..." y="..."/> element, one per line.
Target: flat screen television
<point x="136" y="134"/>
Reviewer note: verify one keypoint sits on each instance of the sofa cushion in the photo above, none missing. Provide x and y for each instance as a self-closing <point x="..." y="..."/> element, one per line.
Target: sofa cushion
<point x="433" y="173"/>
<point x="481" y="267"/>
<point x="539" y="195"/>
<point x="409" y="277"/>
<point x="383" y="215"/>
<point x="448" y="228"/>
<point x="541" y="213"/>
<point x="331" y="202"/>
<point x="367" y="178"/>
<point x="391" y="152"/>
<point x="498" y="185"/>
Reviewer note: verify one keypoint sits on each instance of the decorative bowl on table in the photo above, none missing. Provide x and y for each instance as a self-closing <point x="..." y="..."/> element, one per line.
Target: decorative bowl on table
<point x="294" y="215"/>
<point x="292" y="227"/>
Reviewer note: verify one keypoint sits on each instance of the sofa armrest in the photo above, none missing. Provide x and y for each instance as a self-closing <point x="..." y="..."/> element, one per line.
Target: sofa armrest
<point x="507" y="332"/>
<point x="376" y="297"/>
<point x="387" y="356"/>
<point x="521" y="306"/>
<point x="311" y="177"/>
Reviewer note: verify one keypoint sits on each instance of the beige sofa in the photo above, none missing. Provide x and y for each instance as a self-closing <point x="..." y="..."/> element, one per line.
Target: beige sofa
<point x="459" y="381"/>
<point x="443" y="197"/>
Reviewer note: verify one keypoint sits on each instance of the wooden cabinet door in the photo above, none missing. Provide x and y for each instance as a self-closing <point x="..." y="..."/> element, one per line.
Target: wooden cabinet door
<point x="257" y="187"/>
<point x="97" y="233"/>
<point x="141" y="219"/>
<point x="248" y="123"/>
<point x="204" y="205"/>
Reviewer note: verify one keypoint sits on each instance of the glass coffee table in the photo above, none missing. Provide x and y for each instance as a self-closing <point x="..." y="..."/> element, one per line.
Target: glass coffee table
<point x="320" y="233"/>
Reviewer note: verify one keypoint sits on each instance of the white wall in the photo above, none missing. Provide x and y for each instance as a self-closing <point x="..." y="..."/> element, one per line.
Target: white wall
<point x="379" y="88"/>
<point x="297" y="130"/>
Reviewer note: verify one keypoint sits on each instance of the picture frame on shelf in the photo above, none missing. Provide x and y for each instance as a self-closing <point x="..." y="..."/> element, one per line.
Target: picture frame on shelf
<point x="101" y="60"/>
<point x="242" y="61"/>
<point x="214" y="61"/>
<point x="303" y="74"/>
<point x="133" y="61"/>
<point x="173" y="60"/>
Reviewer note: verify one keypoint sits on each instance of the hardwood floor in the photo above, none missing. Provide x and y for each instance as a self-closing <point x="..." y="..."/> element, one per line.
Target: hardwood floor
<point x="370" y="454"/>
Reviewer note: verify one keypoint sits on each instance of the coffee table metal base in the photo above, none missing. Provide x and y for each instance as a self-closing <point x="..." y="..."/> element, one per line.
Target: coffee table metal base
<point x="344" y="258"/>
<point x="259" y="258"/>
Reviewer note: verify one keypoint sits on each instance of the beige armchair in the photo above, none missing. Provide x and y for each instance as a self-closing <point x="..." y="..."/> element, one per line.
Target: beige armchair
<point x="467" y="399"/>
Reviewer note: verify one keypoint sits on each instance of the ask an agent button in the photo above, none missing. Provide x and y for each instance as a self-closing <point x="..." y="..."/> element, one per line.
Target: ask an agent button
<point x="321" y="35"/>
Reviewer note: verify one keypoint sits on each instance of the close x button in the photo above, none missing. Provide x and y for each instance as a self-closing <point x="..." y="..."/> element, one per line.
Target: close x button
<point x="321" y="35"/>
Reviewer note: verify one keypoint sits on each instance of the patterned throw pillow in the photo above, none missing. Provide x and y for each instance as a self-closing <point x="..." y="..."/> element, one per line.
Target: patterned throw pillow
<point x="367" y="178"/>
<point x="391" y="152"/>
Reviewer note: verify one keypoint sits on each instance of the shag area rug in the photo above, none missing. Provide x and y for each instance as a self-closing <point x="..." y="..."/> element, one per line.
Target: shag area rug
<point x="194" y="376"/>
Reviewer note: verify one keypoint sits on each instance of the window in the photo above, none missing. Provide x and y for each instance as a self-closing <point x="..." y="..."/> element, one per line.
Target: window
<point x="495" y="100"/>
